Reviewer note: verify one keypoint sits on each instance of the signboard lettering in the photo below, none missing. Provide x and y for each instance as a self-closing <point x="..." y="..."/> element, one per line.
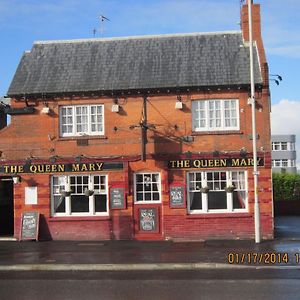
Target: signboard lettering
<point x="177" y="196"/>
<point x="148" y="219"/>
<point x="117" y="198"/>
<point x="60" y="168"/>
<point x="30" y="226"/>
<point x="214" y="163"/>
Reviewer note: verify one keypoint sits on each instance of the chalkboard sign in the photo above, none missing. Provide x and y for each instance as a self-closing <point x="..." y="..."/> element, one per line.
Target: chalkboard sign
<point x="117" y="198"/>
<point x="148" y="218"/>
<point x="177" y="196"/>
<point x="30" y="226"/>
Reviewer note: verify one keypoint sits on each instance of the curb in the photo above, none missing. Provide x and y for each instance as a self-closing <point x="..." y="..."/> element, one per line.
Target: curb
<point x="141" y="267"/>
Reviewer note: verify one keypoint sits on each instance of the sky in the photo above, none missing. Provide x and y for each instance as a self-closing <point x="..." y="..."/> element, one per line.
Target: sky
<point x="24" y="21"/>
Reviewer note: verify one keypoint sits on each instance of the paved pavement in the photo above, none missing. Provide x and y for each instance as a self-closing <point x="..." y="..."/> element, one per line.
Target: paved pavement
<point x="282" y="252"/>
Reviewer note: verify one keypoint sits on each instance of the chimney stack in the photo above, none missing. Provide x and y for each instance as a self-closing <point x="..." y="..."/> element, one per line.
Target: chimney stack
<point x="256" y="30"/>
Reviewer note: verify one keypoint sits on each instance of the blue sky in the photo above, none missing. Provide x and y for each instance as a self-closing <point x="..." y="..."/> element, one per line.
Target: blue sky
<point x="25" y="21"/>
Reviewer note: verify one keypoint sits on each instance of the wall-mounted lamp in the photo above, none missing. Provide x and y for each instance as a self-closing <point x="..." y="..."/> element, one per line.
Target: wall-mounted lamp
<point x="45" y="109"/>
<point x="79" y="158"/>
<point x="187" y="138"/>
<point x="53" y="159"/>
<point x="179" y="104"/>
<point x="16" y="179"/>
<point x="277" y="80"/>
<point x="115" y="107"/>
<point x="243" y="152"/>
<point x="278" y="76"/>
<point x="216" y="153"/>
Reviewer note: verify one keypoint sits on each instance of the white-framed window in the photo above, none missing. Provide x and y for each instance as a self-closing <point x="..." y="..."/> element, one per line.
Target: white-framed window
<point x="283" y="163"/>
<point x="79" y="195"/>
<point x="77" y="120"/>
<point x="214" y="115"/>
<point x="147" y="187"/>
<point x="217" y="198"/>
<point x="283" y="146"/>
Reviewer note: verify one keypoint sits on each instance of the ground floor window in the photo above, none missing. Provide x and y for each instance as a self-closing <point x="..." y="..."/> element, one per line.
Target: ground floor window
<point x="217" y="191"/>
<point x="79" y="195"/>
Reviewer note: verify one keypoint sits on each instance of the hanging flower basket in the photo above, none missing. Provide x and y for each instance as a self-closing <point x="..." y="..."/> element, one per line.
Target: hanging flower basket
<point x="204" y="189"/>
<point x="229" y="189"/>
<point x="88" y="192"/>
<point x="66" y="193"/>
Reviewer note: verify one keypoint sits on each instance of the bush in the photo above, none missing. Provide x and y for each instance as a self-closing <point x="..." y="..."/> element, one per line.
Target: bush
<point x="286" y="186"/>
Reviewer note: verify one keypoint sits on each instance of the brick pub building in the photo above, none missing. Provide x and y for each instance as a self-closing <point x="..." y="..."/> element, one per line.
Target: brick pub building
<point x="139" y="138"/>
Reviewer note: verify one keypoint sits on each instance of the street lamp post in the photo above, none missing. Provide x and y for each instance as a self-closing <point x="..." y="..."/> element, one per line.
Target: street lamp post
<point x="254" y="137"/>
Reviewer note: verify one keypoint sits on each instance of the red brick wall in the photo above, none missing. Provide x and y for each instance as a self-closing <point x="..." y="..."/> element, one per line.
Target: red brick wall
<point x="38" y="135"/>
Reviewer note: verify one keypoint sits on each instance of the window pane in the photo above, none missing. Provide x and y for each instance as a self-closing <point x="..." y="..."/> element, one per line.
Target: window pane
<point x="59" y="204"/>
<point x="79" y="203"/>
<point x="217" y="200"/>
<point x="239" y="199"/>
<point x="156" y="196"/>
<point x="284" y="146"/>
<point x="195" y="200"/>
<point x="139" y="197"/>
<point x="100" y="203"/>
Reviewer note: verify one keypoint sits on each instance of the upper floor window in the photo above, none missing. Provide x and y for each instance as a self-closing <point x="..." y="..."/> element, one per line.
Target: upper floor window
<point x="79" y="120"/>
<point x="283" y="146"/>
<point x="283" y="163"/>
<point x="211" y="115"/>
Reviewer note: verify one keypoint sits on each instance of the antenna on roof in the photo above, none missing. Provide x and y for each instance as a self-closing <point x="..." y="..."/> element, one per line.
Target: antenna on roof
<point x="102" y="20"/>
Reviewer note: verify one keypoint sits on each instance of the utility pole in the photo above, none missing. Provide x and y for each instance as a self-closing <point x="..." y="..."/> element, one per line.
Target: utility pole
<point x="254" y="135"/>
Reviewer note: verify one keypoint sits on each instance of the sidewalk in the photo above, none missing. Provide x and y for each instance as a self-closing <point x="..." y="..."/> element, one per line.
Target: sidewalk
<point x="138" y="255"/>
<point x="282" y="252"/>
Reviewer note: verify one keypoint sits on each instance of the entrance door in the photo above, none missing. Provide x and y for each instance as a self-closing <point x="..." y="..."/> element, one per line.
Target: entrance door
<point x="147" y="206"/>
<point x="6" y="206"/>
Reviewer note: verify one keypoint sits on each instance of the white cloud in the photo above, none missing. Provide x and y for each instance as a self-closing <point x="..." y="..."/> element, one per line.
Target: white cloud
<point x="285" y="119"/>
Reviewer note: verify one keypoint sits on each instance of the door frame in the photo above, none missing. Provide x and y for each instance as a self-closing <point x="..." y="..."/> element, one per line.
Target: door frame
<point x="8" y="208"/>
<point x="150" y="206"/>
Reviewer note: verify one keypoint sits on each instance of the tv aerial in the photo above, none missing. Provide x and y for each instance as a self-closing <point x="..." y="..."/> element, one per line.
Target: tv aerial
<point x="101" y="30"/>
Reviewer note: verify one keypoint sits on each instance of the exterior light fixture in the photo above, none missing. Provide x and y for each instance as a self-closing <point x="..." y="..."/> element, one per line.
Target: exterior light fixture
<point x="53" y="159"/>
<point x="79" y="158"/>
<point x="16" y="179"/>
<point x="115" y="107"/>
<point x="277" y="80"/>
<point x="179" y="104"/>
<point x="187" y="138"/>
<point x="243" y="152"/>
<point x="278" y="76"/>
<point x="46" y="109"/>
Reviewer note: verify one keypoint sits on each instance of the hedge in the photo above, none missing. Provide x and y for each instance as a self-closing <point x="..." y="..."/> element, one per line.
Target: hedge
<point x="286" y="186"/>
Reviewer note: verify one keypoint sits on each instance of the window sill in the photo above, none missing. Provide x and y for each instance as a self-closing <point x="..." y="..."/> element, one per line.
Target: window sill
<point x="84" y="137"/>
<point x="78" y="218"/>
<point x="147" y="202"/>
<point x="221" y="132"/>
<point x="214" y="215"/>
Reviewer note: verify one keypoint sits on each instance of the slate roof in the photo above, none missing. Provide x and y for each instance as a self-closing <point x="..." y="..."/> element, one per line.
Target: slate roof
<point x="134" y="63"/>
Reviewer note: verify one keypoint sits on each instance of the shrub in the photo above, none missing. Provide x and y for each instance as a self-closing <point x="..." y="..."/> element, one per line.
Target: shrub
<point x="286" y="186"/>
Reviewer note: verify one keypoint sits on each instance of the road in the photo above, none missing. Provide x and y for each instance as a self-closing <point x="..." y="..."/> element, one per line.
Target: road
<point x="175" y="285"/>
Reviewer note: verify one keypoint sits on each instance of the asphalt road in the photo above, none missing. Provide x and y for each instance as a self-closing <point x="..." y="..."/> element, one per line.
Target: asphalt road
<point x="175" y="285"/>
